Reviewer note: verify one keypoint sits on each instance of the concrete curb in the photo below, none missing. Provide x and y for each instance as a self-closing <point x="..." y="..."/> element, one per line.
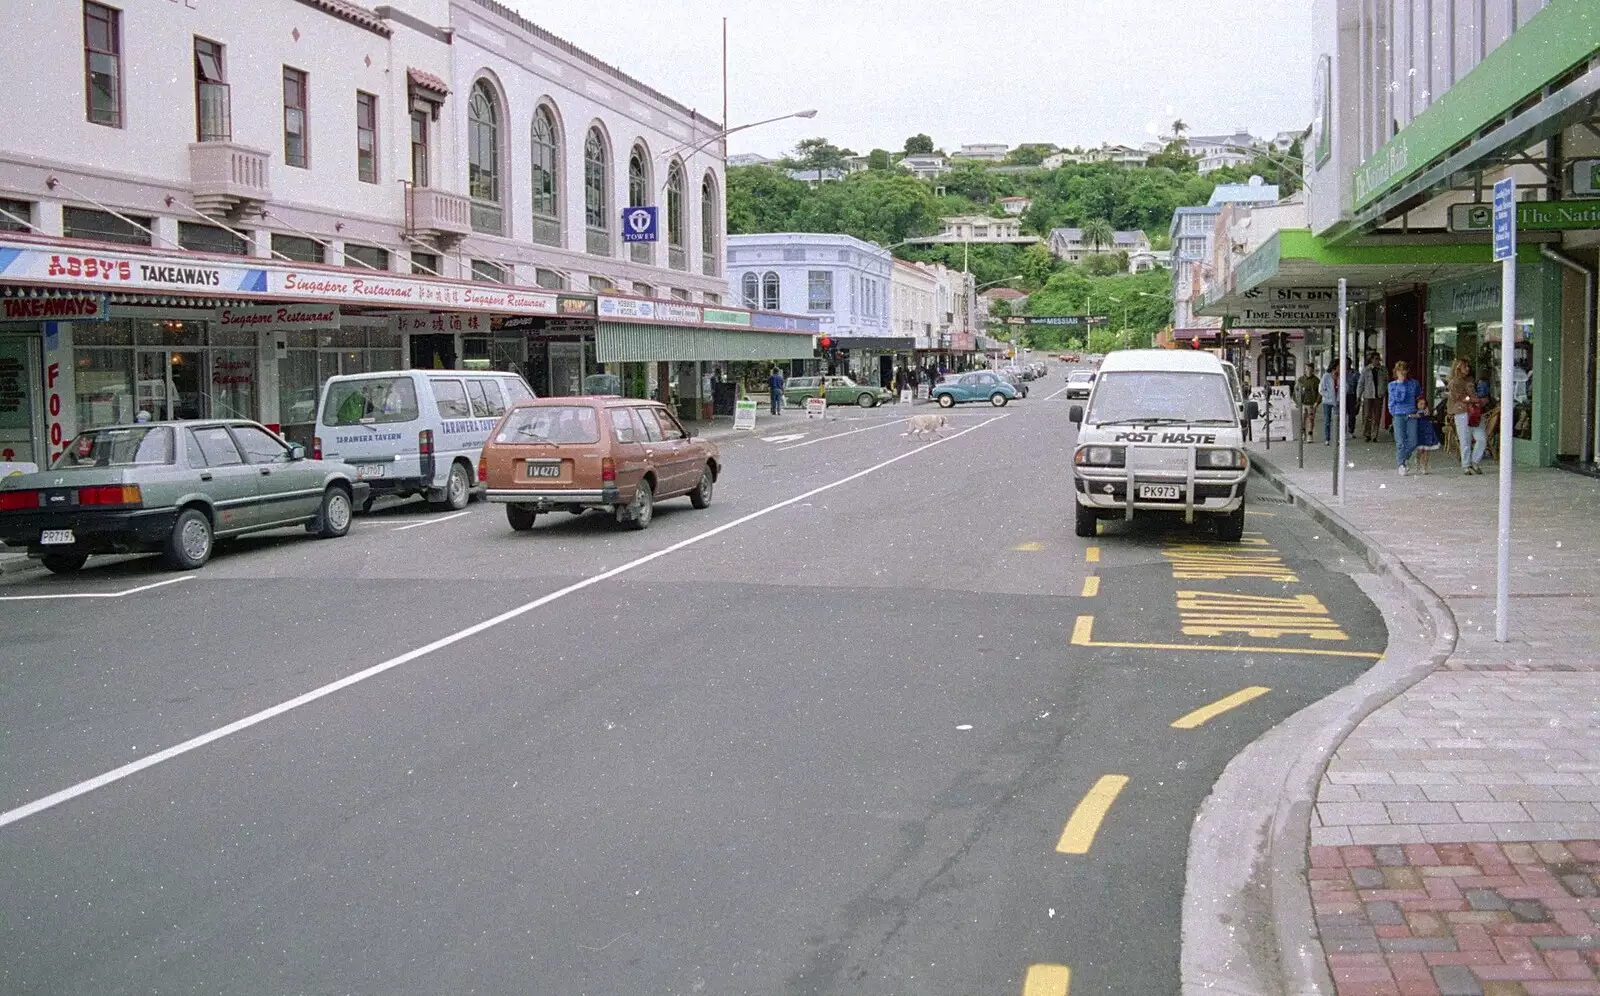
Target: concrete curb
<point x="1248" y="924"/>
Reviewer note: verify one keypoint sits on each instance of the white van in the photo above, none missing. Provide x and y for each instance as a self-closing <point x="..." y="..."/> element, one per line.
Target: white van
<point x="409" y="432"/>
<point x="1160" y="436"/>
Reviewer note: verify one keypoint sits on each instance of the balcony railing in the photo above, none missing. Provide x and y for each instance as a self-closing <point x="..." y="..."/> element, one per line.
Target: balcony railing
<point x="642" y="252"/>
<point x="677" y="258"/>
<point x="598" y="241"/>
<point x="439" y="213"/>
<point x="225" y="176"/>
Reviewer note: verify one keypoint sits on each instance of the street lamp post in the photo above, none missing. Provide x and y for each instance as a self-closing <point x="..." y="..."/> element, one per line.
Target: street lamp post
<point x="811" y="113"/>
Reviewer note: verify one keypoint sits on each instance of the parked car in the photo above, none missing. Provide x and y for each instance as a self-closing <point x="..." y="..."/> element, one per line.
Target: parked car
<point x="410" y="432"/>
<point x="1016" y="380"/>
<point x="620" y="455"/>
<point x="172" y="487"/>
<point x="1079" y="383"/>
<point x="979" y="385"/>
<point x="836" y="389"/>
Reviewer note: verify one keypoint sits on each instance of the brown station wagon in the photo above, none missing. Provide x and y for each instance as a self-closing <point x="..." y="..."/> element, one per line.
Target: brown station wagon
<point x="618" y="454"/>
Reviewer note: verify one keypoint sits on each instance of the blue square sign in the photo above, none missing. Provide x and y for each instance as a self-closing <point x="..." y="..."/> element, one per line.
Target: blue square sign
<point x="639" y="224"/>
<point x="1505" y="219"/>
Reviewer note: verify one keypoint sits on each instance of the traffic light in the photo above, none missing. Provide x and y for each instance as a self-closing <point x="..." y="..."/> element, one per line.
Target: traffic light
<point x="826" y="342"/>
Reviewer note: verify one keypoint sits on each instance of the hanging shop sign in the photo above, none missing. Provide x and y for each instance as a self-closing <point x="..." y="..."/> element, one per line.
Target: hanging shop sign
<point x="1067" y="320"/>
<point x="770" y="322"/>
<point x="626" y="308"/>
<point x="454" y="321"/>
<point x="724" y="316"/>
<point x="64" y="308"/>
<point x="281" y="317"/>
<point x="1536" y="216"/>
<point x="326" y="285"/>
<point x="683" y="314"/>
<point x="576" y="305"/>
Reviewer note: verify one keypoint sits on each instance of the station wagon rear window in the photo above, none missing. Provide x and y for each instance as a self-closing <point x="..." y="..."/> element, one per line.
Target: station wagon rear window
<point x="137" y="446"/>
<point x="371" y="400"/>
<point x="555" y="424"/>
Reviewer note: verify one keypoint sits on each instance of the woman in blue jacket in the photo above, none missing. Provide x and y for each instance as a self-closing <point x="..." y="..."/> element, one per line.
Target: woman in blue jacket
<point x="1404" y="410"/>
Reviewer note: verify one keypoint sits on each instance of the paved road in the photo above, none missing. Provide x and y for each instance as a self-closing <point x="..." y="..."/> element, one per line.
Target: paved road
<point x="860" y="727"/>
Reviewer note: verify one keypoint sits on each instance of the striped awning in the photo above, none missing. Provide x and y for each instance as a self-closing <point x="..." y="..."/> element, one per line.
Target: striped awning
<point x="627" y="342"/>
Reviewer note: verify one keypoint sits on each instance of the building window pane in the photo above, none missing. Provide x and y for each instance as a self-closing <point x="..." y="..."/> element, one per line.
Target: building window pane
<point x="548" y="279"/>
<point x="213" y="106"/>
<point x="102" y="226"/>
<point x="419" y="148"/>
<point x="770" y="291"/>
<point x="426" y="264"/>
<point x="299" y="249"/>
<point x="366" y="137"/>
<point x="486" y="272"/>
<point x="483" y="159"/>
<point x="294" y="117"/>
<point x="750" y="290"/>
<point x="372" y="256"/>
<point x="210" y="238"/>
<point x="819" y="290"/>
<point x="709" y="228"/>
<point x="546" y="219"/>
<point x="15" y="216"/>
<point x="102" y="63"/>
<point x="596" y="209"/>
<point x="675" y="220"/>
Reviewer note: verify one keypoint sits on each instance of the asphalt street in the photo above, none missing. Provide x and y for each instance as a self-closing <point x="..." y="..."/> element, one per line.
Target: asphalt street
<point x="875" y="722"/>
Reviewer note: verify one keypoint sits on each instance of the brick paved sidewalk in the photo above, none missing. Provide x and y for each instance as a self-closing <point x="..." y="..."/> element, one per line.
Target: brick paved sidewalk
<point x="1454" y="833"/>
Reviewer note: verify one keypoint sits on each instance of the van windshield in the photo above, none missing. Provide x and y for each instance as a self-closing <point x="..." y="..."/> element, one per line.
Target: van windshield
<point x="1161" y="396"/>
<point x="550" y="424"/>
<point x="370" y="400"/>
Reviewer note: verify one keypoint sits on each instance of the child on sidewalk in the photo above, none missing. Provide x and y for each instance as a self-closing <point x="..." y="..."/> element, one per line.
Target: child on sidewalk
<point x="1427" y="441"/>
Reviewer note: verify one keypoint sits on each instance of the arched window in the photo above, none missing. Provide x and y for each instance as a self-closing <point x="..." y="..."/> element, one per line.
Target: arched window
<point x="596" y="206"/>
<point x="546" y="179"/>
<point x="709" y="227"/>
<point x="769" y="291"/>
<point x="752" y="291"/>
<point x="676" y="257"/>
<point x="483" y="159"/>
<point x="639" y="196"/>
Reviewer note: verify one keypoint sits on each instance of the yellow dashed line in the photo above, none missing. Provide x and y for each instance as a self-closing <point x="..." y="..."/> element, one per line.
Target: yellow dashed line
<point x="1083" y="636"/>
<point x="1091" y="586"/>
<point x="1029" y="547"/>
<point x="1217" y="708"/>
<point x="1079" y="832"/>
<point x="1092" y="555"/>
<point x="1047" y="980"/>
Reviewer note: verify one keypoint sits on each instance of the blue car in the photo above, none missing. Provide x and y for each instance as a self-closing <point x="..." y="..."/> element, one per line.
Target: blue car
<point x="979" y="385"/>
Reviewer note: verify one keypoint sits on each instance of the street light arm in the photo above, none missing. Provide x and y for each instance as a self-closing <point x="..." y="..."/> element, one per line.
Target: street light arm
<point x="811" y="113"/>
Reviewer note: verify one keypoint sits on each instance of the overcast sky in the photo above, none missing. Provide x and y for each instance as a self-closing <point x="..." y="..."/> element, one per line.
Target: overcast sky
<point x="1073" y="72"/>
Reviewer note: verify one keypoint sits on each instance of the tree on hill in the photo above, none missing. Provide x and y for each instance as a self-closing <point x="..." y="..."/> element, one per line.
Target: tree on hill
<point x="1025" y="155"/>
<point x="762" y="200"/>
<point x="819" y="153"/>
<point x="1178" y="128"/>
<point x="1099" y="233"/>
<point x="919" y="145"/>
<point x="880" y="207"/>
<point x="878" y="159"/>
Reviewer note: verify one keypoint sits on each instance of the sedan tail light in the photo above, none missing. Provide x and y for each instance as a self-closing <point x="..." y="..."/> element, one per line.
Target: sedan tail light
<point x="17" y="501"/>
<point x="111" y="494"/>
<point x="608" y="471"/>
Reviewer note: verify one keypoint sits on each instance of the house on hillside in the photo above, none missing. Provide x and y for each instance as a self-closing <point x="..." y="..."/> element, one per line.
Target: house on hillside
<point x="1069" y="244"/>
<point x="750" y="159"/>
<point x="1214" y="152"/>
<point x="1120" y="155"/>
<point x="978" y="228"/>
<point x="1055" y="160"/>
<point x="925" y="166"/>
<point x="992" y="152"/>
<point x="815" y="177"/>
<point x="1011" y="296"/>
<point x="1015" y="205"/>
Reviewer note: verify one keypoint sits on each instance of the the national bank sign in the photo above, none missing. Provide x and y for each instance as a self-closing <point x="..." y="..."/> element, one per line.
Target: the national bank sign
<point x="75" y="267"/>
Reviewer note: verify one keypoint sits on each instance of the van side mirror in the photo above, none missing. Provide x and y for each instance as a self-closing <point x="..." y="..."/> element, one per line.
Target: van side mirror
<point x="1075" y="413"/>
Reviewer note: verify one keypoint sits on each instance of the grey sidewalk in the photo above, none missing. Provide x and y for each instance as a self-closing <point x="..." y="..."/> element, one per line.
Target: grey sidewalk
<point x="1499" y="745"/>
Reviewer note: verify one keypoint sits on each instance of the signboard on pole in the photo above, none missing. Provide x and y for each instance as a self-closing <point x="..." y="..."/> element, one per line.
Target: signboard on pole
<point x="638" y="224"/>
<point x="1505" y="219"/>
<point x="744" y="414"/>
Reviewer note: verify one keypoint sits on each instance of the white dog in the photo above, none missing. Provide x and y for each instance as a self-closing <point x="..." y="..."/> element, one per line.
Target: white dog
<point x="923" y="426"/>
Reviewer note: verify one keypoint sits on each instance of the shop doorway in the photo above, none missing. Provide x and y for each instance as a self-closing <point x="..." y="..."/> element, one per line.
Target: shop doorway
<point x="21" y="409"/>
<point x="433" y="351"/>
<point x="169" y="384"/>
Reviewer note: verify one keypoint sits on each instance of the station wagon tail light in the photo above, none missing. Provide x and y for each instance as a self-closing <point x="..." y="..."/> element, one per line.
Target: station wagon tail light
<point x="1100" y="456"/>
<point x="316" y="447"/>
<point x="483" y="470"/>
<point x="1219" y="459"/>
<point x="425" y="442"/>
<point x="608" y="471"/>
<point x="111" y="494"/>
<point x="17" y="501"/>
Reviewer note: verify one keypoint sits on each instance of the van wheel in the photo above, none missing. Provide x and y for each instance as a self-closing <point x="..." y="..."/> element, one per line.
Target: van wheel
<point x="333" y="519"/>
<point x="947" y="401"/>
<point x="64" y="563"/>
<point x="520" y="517"/>
<point x="1087" y="518"/>
<point x="998" y="400"/>
<point x="457" y="489"/>
<point x="637" y="515"/>
<point x="1230" y="527"/>
<point x="190" y="545"/>
<point x="700" y="497"/>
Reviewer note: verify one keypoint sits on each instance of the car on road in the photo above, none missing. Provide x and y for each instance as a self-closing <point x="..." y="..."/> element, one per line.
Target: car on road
<point x="979" y="385"/>
<point x="1079" y="384"/>
<point x="837" y="390"/>
<point x="173" y="488"/>
<point x="414" y="432"/>
<point x="1015" y="379"/>
<point x="619" y="455"/>
<point x="1160" y="436"/>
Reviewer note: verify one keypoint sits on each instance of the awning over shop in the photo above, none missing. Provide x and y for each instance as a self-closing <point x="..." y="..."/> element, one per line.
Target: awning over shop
<point x="1294" y="258"/>
<point x="879" y="343"/>
<point x="639" y="342"/>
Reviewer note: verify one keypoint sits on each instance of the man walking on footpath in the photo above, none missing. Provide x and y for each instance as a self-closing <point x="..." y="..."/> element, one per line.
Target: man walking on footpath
<point x="1370" y="390"/>
<point x="1308" y="398"/>
<point x="775" y="384"/>
<point x="1328" y="387"/>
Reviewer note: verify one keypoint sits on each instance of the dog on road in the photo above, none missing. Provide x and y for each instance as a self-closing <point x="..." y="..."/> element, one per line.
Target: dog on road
<point x="923" y="426"/>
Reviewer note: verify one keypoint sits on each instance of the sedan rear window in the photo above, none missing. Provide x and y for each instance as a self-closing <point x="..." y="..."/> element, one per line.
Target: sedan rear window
<point x="132" y="447"/>
<point x="370" y="400"/>
<point x="562" y="424"/>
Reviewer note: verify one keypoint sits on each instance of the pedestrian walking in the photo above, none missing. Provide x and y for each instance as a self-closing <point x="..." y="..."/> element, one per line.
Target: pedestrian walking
<point x="1404" y="411"/>
<point x="1465" y="406"/>
<point x="1352" y="405"/>
<point x="1328" y="387"/>
<point x="1371" y="392"/>
<point x="1427" y="440"/>
<point x="775" y="385"/>
<point x="1308" y="396"/>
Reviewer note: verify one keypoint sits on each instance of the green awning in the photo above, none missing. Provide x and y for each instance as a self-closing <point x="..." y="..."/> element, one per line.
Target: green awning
<point x="630" y="342"/>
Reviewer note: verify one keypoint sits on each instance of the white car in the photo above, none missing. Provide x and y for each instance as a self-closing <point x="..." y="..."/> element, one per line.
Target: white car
<point x="1079" y="383"/>
<point x="409" y="432"/>
<point x="1160" y="436"/>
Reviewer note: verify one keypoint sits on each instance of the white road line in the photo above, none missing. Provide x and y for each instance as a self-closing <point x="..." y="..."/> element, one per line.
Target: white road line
<point x="836" y="435"/>
<point x="1056" y="395"/>
<point x="255" y="719"/>
<point x="94" y="594"/>
<point x="430" y="522"/>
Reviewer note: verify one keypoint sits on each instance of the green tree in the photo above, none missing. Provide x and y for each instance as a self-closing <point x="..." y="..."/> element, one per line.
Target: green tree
<point x="999" y="308"/>
<point x="1178" y="128"/>
<point x="1106" y="264"/>
<point x="819" y="153"/>
<point x="919" y="145"/>
<point x="878" y="159"/>
<point x="880" y="207"/>
<point x="1173" y="158"/>
<point x="1037" y="265"/>
<point x="1025" y="155"/>
<point x="762" y="200"/>
<point x="1099" y="232"/>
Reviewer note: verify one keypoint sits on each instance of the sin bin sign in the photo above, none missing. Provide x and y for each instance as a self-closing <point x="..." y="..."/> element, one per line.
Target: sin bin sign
<point x="744" y="414"/>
